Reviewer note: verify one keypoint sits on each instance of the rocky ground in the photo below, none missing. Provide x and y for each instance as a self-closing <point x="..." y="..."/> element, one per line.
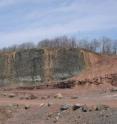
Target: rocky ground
<point x="61" y="106"/>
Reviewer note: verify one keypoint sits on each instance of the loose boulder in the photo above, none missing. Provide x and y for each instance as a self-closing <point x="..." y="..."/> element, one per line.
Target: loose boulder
<point x="76" y="106"/>
<point x="65" y="107"/>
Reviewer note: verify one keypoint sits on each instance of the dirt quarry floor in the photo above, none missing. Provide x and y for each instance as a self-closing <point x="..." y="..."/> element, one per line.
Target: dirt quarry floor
<point x="61" y="106"/>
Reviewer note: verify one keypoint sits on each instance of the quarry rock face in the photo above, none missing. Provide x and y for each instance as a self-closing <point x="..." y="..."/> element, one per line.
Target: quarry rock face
<point x="40" y="65"/>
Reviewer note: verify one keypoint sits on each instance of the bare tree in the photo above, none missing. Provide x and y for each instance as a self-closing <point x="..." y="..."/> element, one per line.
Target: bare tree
<point x="94" y="45"/>
<point x="27" y="45"/>
<point x="58" y="42"/>
<point x="114" y="47"/>
<point x="83" y="43"/>
<point x="106" y="45"/>
<point x="43" y="43"/>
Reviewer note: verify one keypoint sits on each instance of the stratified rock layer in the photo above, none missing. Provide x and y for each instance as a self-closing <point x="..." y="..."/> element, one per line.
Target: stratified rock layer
<point x="39" y="65"/>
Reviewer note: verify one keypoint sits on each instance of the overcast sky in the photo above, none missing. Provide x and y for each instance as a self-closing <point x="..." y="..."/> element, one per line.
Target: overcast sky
<point x="33" y="20"/>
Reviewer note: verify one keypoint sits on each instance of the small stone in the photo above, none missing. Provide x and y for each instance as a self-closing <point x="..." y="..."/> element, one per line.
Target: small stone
<point x="49" y="104"/>
<point x="76" y="106"/>
<point x="50" y="115"/>
<point x="32" y="96"/>
<point x="91" y="109"/>
<point x="101" y="107"/>
<point x="42" y="104"/>
<point x="65" y="107"/>
<point x="74" y="97"/>
<point x="56" y="119"/>
<point x="59" y="96"/>
<point x="113" y="90"/>
<point x="28" y="97"/>
<point x="16" y="105"/>
<point x="84" y="108"/>
<point x="26" y="107"/>
<point x="11" y="95"/>
<point x="58" y="113"/>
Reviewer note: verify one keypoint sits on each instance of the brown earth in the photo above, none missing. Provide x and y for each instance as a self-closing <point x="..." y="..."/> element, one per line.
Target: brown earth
<point x="38" y="107"/>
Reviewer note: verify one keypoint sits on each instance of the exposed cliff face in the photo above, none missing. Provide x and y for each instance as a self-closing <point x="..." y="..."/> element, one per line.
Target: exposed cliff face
<point x="44" y="64"/>
<point x="7" y="70"/>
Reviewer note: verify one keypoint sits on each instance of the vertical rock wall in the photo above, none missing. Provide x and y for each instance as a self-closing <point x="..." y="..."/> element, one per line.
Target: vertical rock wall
<point x="39" y="65"/>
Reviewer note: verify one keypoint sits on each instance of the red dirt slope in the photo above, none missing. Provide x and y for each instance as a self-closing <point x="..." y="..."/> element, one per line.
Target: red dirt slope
<point x="104" y="71"/>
